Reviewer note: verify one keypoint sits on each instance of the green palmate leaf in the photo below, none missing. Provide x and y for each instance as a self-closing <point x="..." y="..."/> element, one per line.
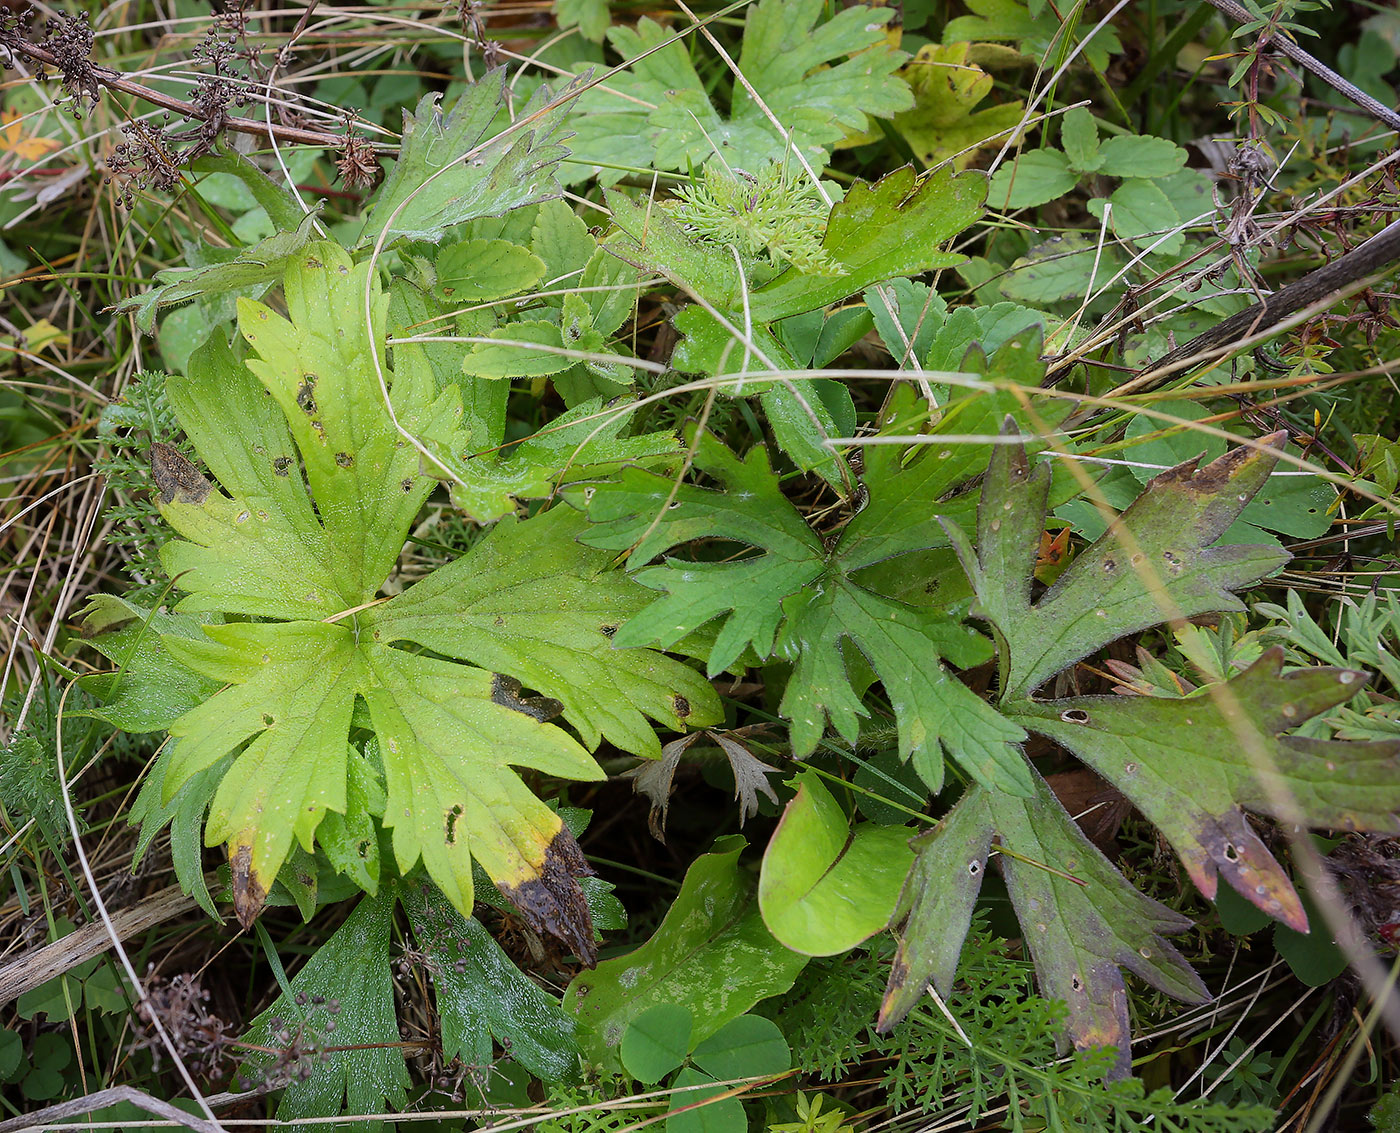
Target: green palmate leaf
<point x="659" y="113"/>
<point x="1191" y="765"/>
<point x="527" y="605"/>
<point x="712" y="954"/>
<point x="471" y="177"/>
<point x="826" y="887"/>
<point x="1155" y="561"/>
<point x="942" y="123"/>
<point x="798" y="599"/>
<point x="348" y="1004"/>
<point x="253" y="269"/>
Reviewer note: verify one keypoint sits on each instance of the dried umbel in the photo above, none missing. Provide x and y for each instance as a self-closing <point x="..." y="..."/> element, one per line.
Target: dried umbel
<point x="201" y="1040"/>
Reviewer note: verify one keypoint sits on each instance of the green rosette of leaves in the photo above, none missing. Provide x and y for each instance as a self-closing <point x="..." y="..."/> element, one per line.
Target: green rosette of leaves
<point x="343" y="711"/>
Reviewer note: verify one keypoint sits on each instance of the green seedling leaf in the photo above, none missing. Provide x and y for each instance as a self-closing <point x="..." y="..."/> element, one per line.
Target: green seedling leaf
<point x="712" y="954"/>
<point x="528" y="605"/>
<point x="656" y="1042"/>
<point x="250" y="271"/>
<point x="471" y="177"/>
<point x="822" y="80"/>
<point x="348" y="1005"/>
<point x="942" y="124"/>
<point x="1035" y="178"/>
<point x="1079" y="138"/>
<point x="1142" y="213"/>
<point x="744" y="1048"/>
<point x="1138" y="155"/>
<point x="472" y="270"/>
<point x="480" y="995"/>
<point x="795" y="598"/>
<point x="825" y="887"/>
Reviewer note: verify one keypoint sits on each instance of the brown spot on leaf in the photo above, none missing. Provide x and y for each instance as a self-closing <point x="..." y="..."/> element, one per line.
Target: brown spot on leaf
<point x="176" y="476"/>
<point x="505" y="691"/>
<point x="282" y="465"/>
<point x="306" y="395"/>
<point x="553" y="902"/>
<point x="344" y="459"/>
<point x="249" y="896"/>
<point x="681" y="705"/>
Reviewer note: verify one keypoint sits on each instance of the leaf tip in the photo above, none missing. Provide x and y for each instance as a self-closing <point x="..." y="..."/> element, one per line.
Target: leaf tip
<point x="249" y="893"/>
<point x="553" y="902"/>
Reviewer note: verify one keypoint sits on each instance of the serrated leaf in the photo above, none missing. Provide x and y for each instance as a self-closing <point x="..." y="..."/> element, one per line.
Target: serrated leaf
<point x="822" y="80"/>
<point x="449" y="734"/>
<point x="483" y="178"/>
<point x="472" y="270"/>
<point x="1155" y="561"/>
<point x="1191" y="765"/>
<point x="1079" y="138"/>
<point x="1062" y="267"/>
<point x="796" y="585"/>
<point x="824" y="886"/>
<point x="1138" y="155"/>
<point x="1142" y="213"/>
<point x="711" y="954"/>
<point x="480" y="995"/>
<point x="1034" y="178"/>
<point x="253" y="269"/>
<point x="366" y="1074"/>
